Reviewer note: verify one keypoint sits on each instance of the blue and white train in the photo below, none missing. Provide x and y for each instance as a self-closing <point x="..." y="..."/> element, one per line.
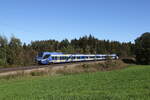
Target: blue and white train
<point x="55" y="57"/>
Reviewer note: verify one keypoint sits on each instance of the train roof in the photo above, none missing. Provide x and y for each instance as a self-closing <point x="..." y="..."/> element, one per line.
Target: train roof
<point x="59" y="53"/>
<point x="53" y="53"/>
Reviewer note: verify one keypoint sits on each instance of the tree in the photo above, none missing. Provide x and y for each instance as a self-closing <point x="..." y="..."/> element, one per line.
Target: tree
<point x="64" y="43"/>
<point x="3" y="49"/>
<point x="142" y="49"/>
<point x="14" y="51"/>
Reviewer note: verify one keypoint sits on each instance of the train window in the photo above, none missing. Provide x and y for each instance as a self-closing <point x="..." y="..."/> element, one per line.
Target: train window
<point x="83" y="57"/>
<point x="53" y="58"/>
<point x="92" y="56"/>
<point x="46" y="56"/>
<point x="40" y="54"/>
<point x="103" y="56"/>
<point x="97" y="56"/>
<point x="65" y="57"/>
<point x="78" y="57"/>
<point x="61" y="58"/>
<point x="86" y="57"/>
<point x="68" y="58"/>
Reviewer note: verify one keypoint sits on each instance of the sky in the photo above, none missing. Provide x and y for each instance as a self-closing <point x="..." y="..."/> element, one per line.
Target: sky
<point x="30" y="20"/>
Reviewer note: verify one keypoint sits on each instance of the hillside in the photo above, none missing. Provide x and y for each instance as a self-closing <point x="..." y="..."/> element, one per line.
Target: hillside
<point x="129" y="83"/>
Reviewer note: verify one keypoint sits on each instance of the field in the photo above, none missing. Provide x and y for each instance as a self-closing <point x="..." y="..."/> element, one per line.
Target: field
<point x="131" y="83"/>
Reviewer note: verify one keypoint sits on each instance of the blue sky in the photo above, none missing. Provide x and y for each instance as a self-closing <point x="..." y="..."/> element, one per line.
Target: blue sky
<point x="29" y="20"/>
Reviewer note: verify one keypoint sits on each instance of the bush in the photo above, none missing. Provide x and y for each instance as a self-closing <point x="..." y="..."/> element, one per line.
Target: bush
<point x="142" y="50"/>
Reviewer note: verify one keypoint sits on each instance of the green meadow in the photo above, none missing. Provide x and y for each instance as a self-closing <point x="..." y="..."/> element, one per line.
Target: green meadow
<point x="131" y="83"/>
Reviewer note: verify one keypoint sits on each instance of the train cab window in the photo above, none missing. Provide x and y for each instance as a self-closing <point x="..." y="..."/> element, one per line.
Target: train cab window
<point x="46" y="56"/>
<point x="40" y="54"/>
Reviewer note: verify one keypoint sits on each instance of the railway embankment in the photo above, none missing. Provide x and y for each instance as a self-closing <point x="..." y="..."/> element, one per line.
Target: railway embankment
<point x="62" y="69"/>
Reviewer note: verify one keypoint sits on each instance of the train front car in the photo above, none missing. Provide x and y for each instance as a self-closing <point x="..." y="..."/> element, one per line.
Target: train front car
<point x="44" y="58"/>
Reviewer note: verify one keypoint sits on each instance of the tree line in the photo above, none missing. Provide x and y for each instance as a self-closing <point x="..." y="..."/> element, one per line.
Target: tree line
<point x="85" y="45"/>
<point x="14" y="52"/>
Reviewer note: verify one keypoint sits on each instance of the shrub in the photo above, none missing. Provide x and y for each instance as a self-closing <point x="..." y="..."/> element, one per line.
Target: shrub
<point x="142" y="50"/>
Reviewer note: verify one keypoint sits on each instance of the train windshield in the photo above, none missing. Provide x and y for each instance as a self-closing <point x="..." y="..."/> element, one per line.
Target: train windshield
<point x="40" y="54"/>
<point x="46" y="56"/>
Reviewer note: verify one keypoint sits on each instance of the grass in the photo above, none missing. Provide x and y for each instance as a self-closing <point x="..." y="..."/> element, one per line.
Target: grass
<point x="132" y="83"/>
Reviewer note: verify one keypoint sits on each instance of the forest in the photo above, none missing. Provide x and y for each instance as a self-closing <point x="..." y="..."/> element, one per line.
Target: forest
<point x="15" y="53"/>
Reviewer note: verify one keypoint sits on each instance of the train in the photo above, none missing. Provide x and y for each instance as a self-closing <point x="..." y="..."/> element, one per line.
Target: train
<point x="46" y="58"/>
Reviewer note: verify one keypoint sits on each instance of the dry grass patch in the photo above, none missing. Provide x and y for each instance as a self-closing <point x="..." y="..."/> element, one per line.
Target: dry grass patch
<point x="65" y="70"/>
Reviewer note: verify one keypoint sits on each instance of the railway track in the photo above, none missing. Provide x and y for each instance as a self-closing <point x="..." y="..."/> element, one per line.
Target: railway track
<point x="2" y="70"/>
<point x="28" y="67"/>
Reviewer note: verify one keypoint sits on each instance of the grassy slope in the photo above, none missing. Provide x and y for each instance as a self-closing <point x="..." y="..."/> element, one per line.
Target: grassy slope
<point x="130" y="83"/>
